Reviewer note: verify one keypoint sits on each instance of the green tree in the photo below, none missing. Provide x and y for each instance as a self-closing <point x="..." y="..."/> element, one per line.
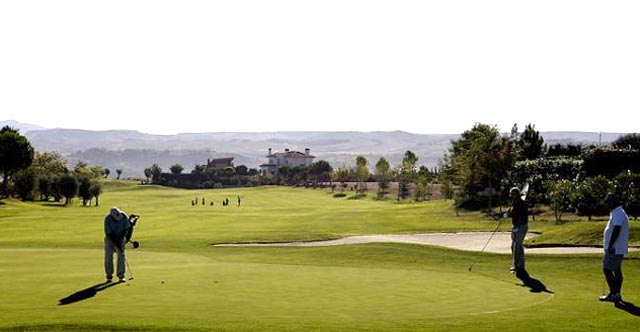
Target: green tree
<point x="284" y="175"/>
<point x="407" y="174"/>
<point x="627" y="185"/>
<point x="83" y="189"/>
<point x="561" y="195"/>
<point x="341" y="174"/>
<point x="447" y="189"/>
<point x="383" y="176"/>
<point x="44" y="187"/>
<point x="118" y="173"/>
<point x="197" y="169"/>
<point x="49" y="163"/>
<point x="591" y="194"/>
<point x="25" y="182"/>
<point x="362" y="173"/>
<point x="68" y="185"/>
<point x="56" y="190"/>
<point x="148" y="173"/>
<point x="628" y="141"/>
<point x="530" y="144"/>
<point x="423" y="191"/>
<point x="81" y="167"/>
<point x="242" y="170"/>
<point x="176" y="169"/>
<point x="95" y="190"/>
<point x="478" y="162"/>
<point x="97" y="171"/>
<point x="299" y="174"/>
<point x="321" y="171"/>
<point x="156" y="173"/>
<point x="16" y="153"/>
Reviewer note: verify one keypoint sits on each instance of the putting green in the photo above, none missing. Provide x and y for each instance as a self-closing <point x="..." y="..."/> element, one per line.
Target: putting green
<point x="199" y="291"/>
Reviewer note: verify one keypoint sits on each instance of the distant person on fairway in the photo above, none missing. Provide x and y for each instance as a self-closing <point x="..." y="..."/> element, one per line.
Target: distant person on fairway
<point x="615" y="244"/>
<point x="116" y="226"/>
<point x="519" y="213"/>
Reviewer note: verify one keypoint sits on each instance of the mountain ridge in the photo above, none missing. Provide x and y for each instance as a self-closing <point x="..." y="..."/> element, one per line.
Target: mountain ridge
<point x="133" y="151"/>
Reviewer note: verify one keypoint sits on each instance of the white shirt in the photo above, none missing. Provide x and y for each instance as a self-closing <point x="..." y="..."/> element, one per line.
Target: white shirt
<point x="618" y="217"/>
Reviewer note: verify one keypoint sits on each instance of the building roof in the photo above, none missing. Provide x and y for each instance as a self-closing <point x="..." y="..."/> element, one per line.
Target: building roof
<point x="219" y="160"/>
<point x="291" y="154"/>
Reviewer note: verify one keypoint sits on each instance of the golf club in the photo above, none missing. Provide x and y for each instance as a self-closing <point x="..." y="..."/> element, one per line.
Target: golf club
<point x="486" y="244"/>
<point x="133" y="219"/>
<point x="126" y="261"/>
<point x="523" y="194"/>
<point x="524" y="191"/>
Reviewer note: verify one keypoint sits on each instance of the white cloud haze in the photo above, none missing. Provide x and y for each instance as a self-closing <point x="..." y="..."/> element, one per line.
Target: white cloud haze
<point x="421" y="66"/>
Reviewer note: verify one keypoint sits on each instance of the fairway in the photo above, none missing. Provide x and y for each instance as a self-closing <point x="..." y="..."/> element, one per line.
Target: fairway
<point x="198" y="291"/>
<point x="183" y="282"/>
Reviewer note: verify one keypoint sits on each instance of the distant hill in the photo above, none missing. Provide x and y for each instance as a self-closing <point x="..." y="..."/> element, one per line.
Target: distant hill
<point x="133" y="151"/>
<point x="23" y="128"/>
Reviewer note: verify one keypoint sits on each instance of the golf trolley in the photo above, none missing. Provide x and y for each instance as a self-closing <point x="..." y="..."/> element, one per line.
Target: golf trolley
<point x="133" y="219"/>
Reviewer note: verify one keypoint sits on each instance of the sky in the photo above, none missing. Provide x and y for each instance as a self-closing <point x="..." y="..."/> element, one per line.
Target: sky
<point x="167" y="67"/>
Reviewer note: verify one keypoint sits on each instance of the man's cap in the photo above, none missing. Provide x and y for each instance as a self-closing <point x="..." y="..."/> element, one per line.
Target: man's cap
<point x="116" y="213"/>
<point x="514" y="190"/>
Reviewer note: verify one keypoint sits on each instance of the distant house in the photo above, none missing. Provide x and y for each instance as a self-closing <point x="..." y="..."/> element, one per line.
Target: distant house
<point x="287" y="158"/>
<point x="219" y="163"/>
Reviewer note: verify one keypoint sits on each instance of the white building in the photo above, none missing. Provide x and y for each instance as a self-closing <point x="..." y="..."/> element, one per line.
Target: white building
<point x="287" y="158"/>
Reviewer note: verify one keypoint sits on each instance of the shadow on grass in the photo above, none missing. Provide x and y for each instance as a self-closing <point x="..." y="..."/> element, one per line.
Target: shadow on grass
<point x="535" y="285"/>
<point x="628" y="307"/>
<point x="53" y="204"/>
<point x="86" y="293"/>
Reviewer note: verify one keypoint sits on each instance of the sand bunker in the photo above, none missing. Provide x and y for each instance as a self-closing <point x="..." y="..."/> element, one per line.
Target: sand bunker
<point x="470" y="241"/>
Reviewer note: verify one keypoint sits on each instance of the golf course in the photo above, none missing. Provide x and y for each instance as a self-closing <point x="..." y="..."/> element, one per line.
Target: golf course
<point x="179" y="279"/>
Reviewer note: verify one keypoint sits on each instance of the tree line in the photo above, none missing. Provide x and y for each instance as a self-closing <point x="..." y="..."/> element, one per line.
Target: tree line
<point x="477" y="171"/>
<point x="482" y="165"/>
<point x="29" y="175"/>
<point x="202" y="177"/>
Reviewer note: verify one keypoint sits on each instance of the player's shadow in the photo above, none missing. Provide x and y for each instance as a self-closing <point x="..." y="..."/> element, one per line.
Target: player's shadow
<point x="86" y="293"/>
<point x="628" y="307"/>
<point x="535" y="285"/>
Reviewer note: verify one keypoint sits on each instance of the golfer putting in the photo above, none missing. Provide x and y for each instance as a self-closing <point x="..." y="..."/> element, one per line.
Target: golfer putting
<point x="118" y="229"/>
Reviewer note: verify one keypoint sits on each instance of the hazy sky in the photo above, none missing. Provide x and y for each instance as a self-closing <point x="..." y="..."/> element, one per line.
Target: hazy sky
<point x="166" y="67"/>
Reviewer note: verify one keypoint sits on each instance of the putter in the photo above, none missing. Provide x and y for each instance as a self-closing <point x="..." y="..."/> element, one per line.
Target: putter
<point x="126" y="261"/>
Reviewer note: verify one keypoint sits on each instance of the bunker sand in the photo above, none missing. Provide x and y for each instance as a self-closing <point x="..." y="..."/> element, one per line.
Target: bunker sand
<point x="469" y="241"/>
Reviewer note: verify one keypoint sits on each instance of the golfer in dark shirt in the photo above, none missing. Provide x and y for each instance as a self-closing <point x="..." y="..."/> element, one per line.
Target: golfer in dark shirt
<point x="519" y="213"/>
<point x="116" y="226"/>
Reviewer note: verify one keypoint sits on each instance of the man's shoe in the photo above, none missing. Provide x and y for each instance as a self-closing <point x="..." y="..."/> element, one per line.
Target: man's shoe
<point x="512" y="270"/>
<point x="122" y="280"/>
<point x="617" y="298"/>
<point x="109" y="280"/>
<point x="608" y="298"/>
